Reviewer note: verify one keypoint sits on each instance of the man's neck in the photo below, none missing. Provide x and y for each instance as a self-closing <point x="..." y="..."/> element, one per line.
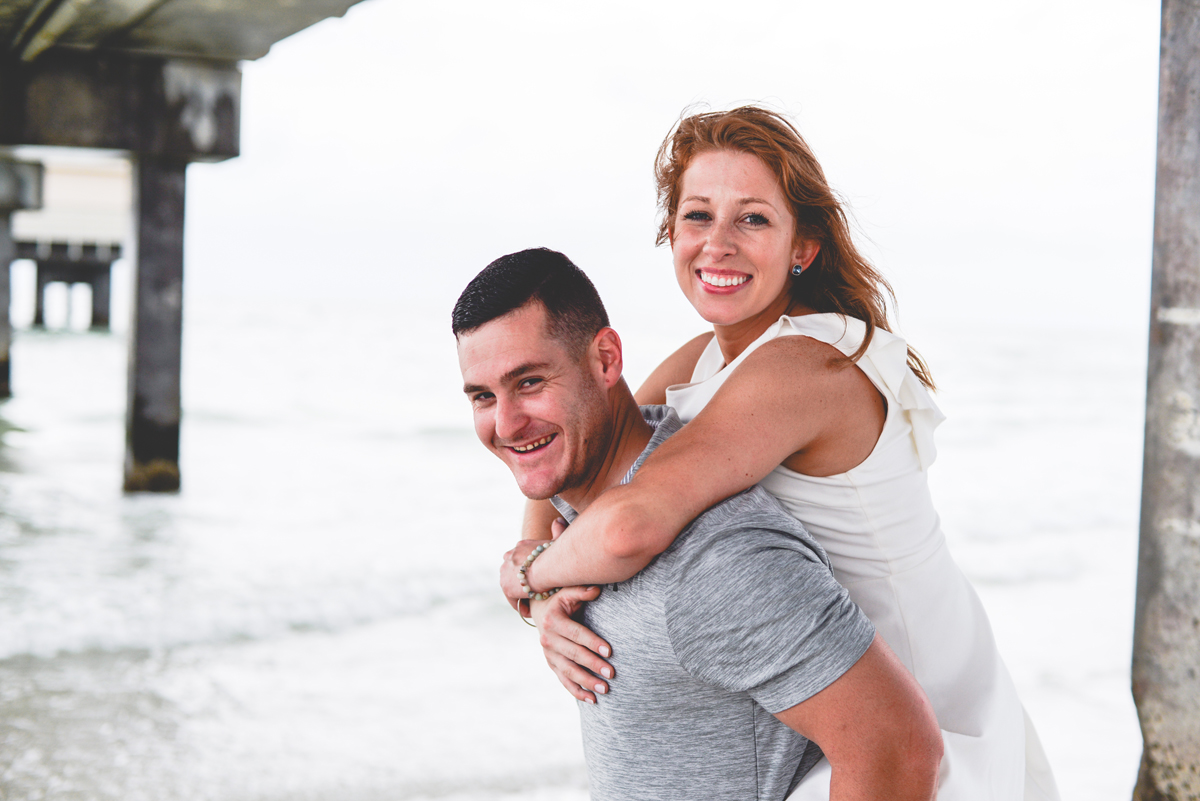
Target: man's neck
<point x="630" y="436"/>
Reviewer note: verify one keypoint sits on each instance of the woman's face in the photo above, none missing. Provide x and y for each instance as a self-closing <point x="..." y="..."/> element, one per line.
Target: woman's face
<point x="734" y="242"/>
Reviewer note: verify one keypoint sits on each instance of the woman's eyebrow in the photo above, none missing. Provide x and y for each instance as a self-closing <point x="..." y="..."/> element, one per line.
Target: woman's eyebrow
<point x="744" y="201"/>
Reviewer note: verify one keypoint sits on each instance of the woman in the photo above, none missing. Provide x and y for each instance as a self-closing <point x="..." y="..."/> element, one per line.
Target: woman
<point x="801" y="388"/>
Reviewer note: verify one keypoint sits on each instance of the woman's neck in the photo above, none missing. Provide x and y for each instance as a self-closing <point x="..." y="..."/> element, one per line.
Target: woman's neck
<point x="733" y="339"/>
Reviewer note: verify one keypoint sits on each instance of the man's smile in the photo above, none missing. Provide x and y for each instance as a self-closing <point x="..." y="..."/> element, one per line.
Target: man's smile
<point x="533" y="446"/>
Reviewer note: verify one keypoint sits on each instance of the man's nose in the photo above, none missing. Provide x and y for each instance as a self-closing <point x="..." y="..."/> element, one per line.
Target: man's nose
<point x="510" y="419"/>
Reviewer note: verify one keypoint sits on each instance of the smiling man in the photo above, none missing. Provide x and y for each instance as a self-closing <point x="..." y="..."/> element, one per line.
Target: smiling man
<point x="739" y="658"/>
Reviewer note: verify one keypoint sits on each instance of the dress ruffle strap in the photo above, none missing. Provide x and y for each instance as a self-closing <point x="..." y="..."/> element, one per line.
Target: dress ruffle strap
<point x="888" y="355"/>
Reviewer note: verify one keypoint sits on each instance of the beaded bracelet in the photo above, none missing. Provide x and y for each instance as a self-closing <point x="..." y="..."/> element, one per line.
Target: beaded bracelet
<point x="535" y="596"/>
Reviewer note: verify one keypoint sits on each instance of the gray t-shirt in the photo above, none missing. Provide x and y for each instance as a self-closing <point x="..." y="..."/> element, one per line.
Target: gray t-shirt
<point x="739" y="618"/>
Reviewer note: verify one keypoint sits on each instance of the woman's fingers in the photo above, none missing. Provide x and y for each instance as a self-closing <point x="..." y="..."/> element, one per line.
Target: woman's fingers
<point x="579" y="682"/>
<point x="571" y="600"/>
<point x="573" y="687"/>
<point x="571" y="649"/>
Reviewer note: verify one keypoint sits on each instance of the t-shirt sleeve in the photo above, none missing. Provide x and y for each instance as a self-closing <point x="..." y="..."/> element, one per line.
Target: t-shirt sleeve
<point x="751" y="607"/>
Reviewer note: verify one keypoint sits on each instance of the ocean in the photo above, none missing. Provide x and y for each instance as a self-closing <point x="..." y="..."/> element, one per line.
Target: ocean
<point x="315" y="614"/>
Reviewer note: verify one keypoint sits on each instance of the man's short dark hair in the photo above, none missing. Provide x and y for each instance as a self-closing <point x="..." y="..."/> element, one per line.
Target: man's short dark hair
<point x="574" y="312"/>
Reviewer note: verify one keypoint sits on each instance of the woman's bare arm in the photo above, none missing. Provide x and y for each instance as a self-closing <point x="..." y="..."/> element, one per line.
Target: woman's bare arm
<point x="788" y="401"/>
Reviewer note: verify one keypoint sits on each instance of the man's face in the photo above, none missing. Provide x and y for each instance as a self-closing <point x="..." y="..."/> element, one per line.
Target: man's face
<point x="542" y="412"/>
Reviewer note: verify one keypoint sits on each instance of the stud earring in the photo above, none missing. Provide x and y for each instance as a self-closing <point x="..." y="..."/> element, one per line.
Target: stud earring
<point x="797" y="269"/>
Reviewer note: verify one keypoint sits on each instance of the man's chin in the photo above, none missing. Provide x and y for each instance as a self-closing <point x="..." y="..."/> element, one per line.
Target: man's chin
<point x="539" y="491"/>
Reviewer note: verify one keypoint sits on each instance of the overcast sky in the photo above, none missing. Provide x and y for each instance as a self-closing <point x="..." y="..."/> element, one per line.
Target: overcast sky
<point x="998" y="157"/>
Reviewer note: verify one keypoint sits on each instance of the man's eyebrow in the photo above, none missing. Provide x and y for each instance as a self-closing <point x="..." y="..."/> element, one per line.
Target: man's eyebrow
<point x="508" y="377"/>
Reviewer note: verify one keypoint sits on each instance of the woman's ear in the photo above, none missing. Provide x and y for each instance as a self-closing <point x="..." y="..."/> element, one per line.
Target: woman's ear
<point x="805" y="251"/>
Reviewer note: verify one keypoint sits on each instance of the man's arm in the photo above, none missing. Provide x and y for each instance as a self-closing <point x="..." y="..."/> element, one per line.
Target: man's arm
<point x="753" y="607"/>
<point x="876" y="728"/>
<point x="538" y="517"/>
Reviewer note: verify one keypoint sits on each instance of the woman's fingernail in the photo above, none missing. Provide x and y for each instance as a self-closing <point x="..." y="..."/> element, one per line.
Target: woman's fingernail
<point x="600" y="688"/>
<point x="606" y="672"/>
<point x="590" y="700"/>
<point x="604" y="651"/>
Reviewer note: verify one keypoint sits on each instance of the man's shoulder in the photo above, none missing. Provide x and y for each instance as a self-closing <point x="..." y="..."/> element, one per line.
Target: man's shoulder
<point x="751" y="604"/>
<point x="748" y="517"/>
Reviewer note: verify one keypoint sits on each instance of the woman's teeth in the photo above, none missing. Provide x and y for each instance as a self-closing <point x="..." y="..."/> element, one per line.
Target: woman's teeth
<point x="723" y="280"/>
<point x="533" y="445"/>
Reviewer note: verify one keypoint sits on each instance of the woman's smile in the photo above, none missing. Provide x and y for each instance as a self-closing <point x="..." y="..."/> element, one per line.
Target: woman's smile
<point x="716" y="280"/>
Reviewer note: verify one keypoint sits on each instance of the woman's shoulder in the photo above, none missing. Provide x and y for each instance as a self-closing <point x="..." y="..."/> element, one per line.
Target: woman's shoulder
<point x="837" y="330"/>
<point x="675" y="369"/>
<point x="788" y="360"/>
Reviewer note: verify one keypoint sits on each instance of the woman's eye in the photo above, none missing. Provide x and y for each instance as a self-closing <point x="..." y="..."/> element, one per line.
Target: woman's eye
<point x="697" y="216"/>
<point x="756" y="219"/>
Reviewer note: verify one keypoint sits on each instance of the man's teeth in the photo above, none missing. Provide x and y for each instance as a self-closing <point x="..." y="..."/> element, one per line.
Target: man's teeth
<point x="723" y="280"/>
<point x="532" y="445"/>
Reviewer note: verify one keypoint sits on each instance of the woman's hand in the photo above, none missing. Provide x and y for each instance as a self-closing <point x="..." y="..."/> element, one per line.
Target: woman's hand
<point x="510" y="579"/>
<point x="571" y="649"/>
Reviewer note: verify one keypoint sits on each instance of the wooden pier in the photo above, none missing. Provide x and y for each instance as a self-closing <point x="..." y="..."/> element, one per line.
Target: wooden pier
<point x="70" y="263"/>
<point x="159" y="80"/>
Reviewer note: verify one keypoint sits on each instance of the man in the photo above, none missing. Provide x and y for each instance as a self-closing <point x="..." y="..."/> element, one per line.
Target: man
<point x="735" y="647"/>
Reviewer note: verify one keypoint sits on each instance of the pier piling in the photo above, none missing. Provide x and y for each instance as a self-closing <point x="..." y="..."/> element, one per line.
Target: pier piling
<point x="153" y="413"/>
<point x="1166" y="649"/>
<point x="20" y="188"/>
<point x="8" y="253"/>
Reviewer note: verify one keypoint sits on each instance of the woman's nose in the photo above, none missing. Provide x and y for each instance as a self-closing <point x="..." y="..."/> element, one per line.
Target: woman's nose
<point x="720" y="241"/>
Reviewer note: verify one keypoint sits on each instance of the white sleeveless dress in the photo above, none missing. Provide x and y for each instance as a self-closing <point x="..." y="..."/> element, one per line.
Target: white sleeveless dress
<point x="884" y="539"/>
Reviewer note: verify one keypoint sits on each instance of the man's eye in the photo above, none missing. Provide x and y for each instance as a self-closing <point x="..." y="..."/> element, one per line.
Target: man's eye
<point x="481" y="397"/>
<point x="529" y="382"/>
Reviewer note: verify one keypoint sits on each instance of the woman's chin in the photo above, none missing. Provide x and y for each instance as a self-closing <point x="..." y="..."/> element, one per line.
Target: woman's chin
<point x="724" y="311"/>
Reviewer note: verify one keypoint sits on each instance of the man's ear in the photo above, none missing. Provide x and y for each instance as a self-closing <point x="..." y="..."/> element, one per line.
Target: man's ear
<point x="608" y="359"/>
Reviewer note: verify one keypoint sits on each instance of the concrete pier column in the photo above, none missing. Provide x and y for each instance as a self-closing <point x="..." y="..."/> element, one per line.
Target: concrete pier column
<point x="39" y="301"/>
<point x="1166" y="647"/>
<point x="153" y="412"/>
<point x="20" y="188"/>
<point x="101" y="300"/>
<point x="8" y="253"/>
